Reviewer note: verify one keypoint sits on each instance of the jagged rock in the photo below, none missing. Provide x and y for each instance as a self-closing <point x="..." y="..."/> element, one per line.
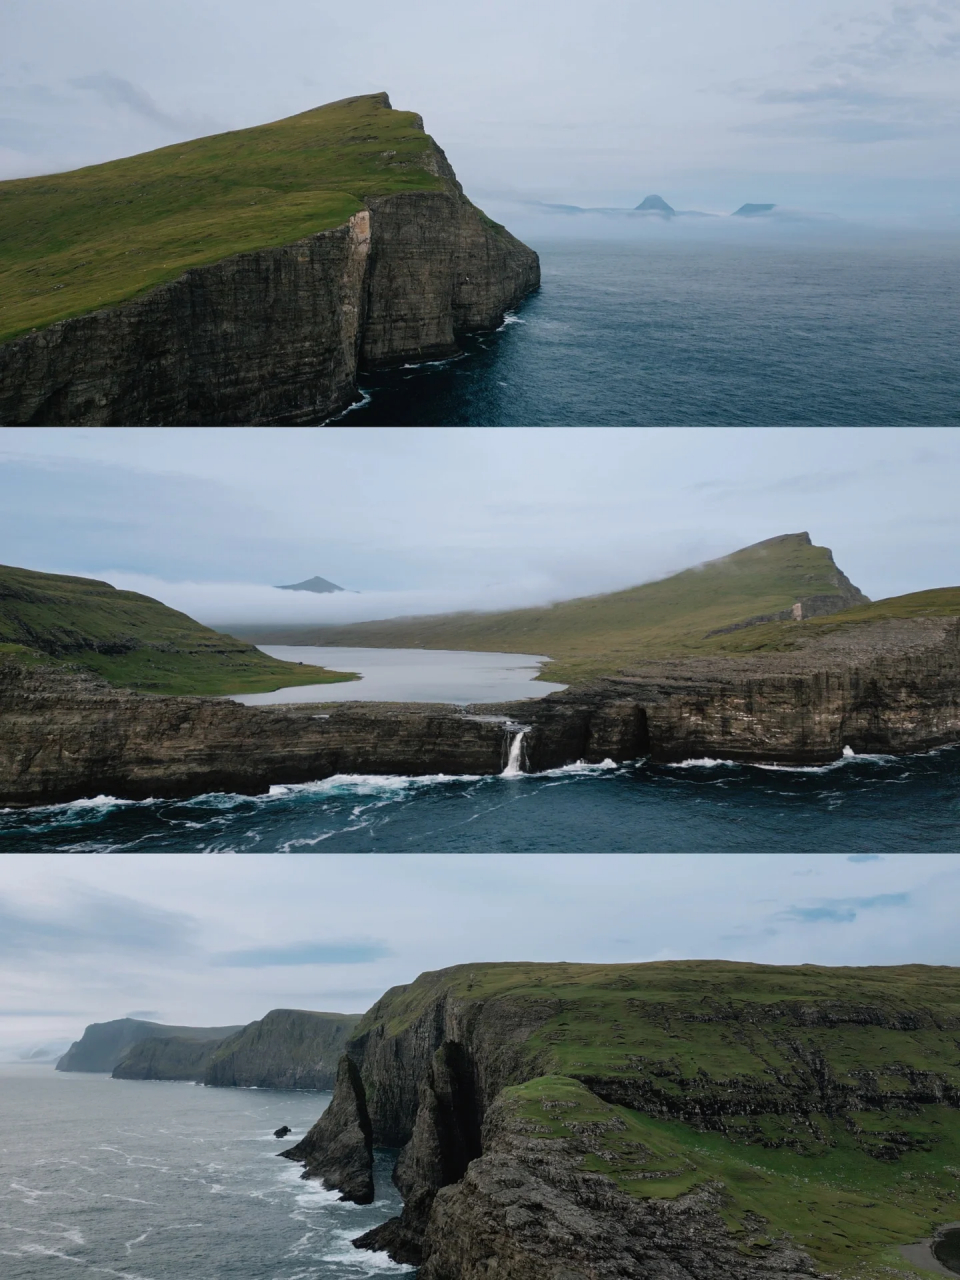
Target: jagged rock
<point x="338" y="1149"/>
<point x="282" y="1131"/>
<point x="526" y="1211"/>
<point x="445" y="1138"/>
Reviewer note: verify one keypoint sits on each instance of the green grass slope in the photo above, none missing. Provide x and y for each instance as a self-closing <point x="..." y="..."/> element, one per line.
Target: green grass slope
<point x="599" y="635"/>
<point x="826" y="1100"/>
<point x="132" y="640"/>
<point x="73" y="242"/>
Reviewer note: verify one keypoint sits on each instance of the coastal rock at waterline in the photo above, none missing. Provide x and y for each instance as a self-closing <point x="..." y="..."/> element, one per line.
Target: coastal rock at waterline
<point x="276" y="335"/>
<point x="338" y="1149"/>
<point x="282" y="1131"/>
<point x="445" y="1138"/>
<point x="526" y="1210"/>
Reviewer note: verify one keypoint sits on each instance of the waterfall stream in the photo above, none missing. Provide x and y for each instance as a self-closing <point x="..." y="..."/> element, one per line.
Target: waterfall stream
<point x="514" y="759"/>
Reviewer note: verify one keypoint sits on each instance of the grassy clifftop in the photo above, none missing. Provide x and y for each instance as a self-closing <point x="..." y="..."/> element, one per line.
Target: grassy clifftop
<point x="132" y="640"/>
<point x="824" y="1100"/>
<point x="74" y="242"/>
<point x="599" y="635"/>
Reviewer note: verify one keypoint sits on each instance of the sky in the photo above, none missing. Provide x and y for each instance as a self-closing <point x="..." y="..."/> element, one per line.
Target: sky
<point x="845" y="106"/>
<point x="216" y="941"/>
<point x="426" y="520"/>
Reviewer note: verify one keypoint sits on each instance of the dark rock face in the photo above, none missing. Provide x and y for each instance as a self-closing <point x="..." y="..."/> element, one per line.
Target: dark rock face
<point x="288" y="1049"/>
<point x="276" y="335"/>
<point x="526" y="1211"/>
<point x="339" y="1147"/>
<point x="68" y="734"/>
<point x="445" y="1138"/>
<point x="282" y="1131"/>
<point x="104" y="1044"/>
<point x="890" y="686"/>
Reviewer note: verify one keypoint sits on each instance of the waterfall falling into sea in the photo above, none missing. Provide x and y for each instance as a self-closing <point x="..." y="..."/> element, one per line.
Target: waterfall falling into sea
<point x="515" y="758"/>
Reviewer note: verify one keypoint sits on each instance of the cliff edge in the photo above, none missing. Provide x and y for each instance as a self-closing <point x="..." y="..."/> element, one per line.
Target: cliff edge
<point x="680" y="1120"/>
<point x="247" y="277"/>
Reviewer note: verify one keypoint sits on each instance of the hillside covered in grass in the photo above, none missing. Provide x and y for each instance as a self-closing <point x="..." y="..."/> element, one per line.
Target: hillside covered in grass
<point x="825" y="1102"/>
<point x="600" y="635"/>
<point x="73" y="242"/>
<point x="132" y="640"/>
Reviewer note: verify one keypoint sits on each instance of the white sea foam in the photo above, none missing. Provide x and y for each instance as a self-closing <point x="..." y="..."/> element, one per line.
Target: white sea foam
<point x="848" y="757"/>
<point x="510" y="318"/>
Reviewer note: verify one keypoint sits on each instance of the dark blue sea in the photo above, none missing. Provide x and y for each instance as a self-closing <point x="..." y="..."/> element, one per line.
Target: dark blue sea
<point x="866" y="804"/>
<point x="147" y="1180"/>
<point x="771" y="327"/>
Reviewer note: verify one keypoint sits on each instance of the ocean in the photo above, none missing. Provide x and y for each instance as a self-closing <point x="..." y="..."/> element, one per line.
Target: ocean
<point x="766" y="327"/>
<point x="865" y="804"/>
<point x="148" y="1180"/>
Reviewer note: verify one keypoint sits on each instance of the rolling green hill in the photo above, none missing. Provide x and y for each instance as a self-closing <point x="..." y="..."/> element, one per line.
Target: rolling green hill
<point x="73" y="242"/>
<point x="133" y="640"/>
<point x="824" y="1100"/>
<point x="599" y="635"/>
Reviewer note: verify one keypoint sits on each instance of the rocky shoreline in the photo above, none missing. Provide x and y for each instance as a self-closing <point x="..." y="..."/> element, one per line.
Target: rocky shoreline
<point x="890" y="686"/>
<point x="506" y="1168"/>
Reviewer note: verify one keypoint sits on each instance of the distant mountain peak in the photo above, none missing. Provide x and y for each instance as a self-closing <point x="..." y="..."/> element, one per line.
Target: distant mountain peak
<point x="654" y="204"/>
<point x="751" y="210"/>
<point x="316" y="584"/>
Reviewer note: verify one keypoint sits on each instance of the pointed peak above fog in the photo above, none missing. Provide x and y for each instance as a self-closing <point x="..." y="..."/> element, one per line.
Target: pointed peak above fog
<point x="321" y="586"/>
<point x="655" y="204"/>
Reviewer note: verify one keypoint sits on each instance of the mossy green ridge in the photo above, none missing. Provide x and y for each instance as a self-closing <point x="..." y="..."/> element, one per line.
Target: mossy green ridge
<point x="825" y="1100"/>
<point x="600" y="635"/>
<point x="71" y="243"/>
<point x="132" y="640"/>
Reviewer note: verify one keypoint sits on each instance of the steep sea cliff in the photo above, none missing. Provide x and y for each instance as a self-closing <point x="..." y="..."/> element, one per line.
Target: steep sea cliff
<point x="676" y="1121"/>
<point x="277" y="334"/>
<point x="891" y="685"/>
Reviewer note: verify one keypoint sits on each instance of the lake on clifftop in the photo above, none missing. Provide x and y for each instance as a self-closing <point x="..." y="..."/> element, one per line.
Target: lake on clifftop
<point x="409" y="675"/>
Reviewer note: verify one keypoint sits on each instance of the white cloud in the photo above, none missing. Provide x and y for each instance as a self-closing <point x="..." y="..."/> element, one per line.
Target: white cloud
<point x="426" y="912"/>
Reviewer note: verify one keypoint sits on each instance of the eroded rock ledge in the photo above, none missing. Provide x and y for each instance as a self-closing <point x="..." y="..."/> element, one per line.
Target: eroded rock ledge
<point x="507" y="1169"/>
<point x="889" y="686"/>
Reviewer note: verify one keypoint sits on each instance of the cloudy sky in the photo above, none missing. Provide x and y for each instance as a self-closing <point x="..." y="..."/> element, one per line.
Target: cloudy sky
<point x="215" y="941"/>
<point x="421" y="520"/>
<point x="847" y="105"/>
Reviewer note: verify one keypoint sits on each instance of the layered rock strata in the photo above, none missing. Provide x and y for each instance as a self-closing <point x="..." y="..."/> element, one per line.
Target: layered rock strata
<point x="277" y="335"/>
<point x="888" y="687"/>
<point x="488" y="1190"/>
<point x="526" y="1210"/>
<point x="338" y="1149"/>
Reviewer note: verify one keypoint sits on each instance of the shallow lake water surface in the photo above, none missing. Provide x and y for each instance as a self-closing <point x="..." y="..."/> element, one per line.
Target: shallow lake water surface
<point x="410" y="675"/>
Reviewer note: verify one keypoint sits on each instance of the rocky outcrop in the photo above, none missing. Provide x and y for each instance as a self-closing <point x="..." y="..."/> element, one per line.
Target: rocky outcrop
<point x="339" y="1148"/>
<point x="288" y="1049"/>
<point x="68" y="734"/>
<point x="526" y="1210"/>
<point x="277" y="335"/>
<point x="448" y="1065"/>
<point x="891" y="686"/>
<point x="104" y="1044"/>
